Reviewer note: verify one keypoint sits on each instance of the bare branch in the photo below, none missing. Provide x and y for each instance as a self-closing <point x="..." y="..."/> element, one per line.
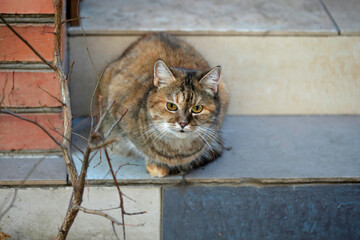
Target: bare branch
<point x="69" y="140"/>
<point x="28" y="44"/>
<point x="100" y="213"/>
<point x="104" y="144"/>
<point x="136" y="213"/>
<point x="70" y="71"/>
<point x="126" y="164"/>
<point x="73" y="19"/>
<point x="114" y="124"/>
<point x="80" y="136"/>
<point x="36" y="124"/>
<point x="118" y="188"/>
<point x="57" y="99"/>
<point x="102" y="117"/>
<point x="114" y="230"/>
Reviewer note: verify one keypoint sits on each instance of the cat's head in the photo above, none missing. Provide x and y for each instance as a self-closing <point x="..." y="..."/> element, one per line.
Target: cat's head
<point x="184" y="103"/>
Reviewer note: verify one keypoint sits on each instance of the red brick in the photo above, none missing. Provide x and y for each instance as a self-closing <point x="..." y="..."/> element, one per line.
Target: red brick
<point x="27" y="6"/>
<point x="17" y="134"/>
<point x="41" y="37"/>
<point x="24" y="89"/>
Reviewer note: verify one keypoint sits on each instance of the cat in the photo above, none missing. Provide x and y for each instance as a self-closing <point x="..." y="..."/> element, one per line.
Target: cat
<point x="175" y="105"/>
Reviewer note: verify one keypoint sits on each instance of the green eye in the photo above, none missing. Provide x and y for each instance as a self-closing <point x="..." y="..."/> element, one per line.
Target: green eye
<point x="197" y="109"/>
<point x="171" y="106"/>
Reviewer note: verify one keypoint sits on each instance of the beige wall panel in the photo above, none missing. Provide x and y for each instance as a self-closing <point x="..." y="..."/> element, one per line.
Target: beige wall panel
<point x="265" y="75"/>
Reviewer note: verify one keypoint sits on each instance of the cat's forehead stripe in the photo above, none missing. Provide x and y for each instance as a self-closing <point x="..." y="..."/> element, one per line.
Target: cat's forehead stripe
<point x="179" y="97"/>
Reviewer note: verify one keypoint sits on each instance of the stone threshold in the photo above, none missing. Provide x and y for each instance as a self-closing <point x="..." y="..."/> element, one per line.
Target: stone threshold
<point x="242" y="18"/>
<point x="265" y="150"/>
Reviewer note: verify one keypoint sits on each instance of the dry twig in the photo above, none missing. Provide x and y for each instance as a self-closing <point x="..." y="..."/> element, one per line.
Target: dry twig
<point x="77" y="180"/>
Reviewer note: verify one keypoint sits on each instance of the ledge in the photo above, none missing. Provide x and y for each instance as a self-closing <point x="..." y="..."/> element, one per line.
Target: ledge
<point x="45" y="170"/>
<point x="264" y="150"/>
<point x="249" y="17"/>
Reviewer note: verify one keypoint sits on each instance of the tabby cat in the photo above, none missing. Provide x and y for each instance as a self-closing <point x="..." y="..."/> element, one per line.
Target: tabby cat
<point x="176" y="104"/>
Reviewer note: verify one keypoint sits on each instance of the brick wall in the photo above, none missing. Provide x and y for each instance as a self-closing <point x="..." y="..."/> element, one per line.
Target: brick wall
<point x="28" y="86"/>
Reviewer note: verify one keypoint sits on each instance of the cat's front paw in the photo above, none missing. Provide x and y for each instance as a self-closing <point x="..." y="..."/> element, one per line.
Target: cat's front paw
<point x="157" y="171"/>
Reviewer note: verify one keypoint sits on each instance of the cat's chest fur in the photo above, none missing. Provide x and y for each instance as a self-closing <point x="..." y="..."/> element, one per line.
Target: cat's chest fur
<point x="176" y="104"/>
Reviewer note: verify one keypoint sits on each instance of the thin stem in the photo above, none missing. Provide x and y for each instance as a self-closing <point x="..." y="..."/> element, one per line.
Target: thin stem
<point x="114" y="124"/>
<point x="104" y="144"/>
<point x="36" y="124"/>
<point x="28" y="44"/>
<point x="120" y="194"/>
<point x="57" y="99"/>
<point x="100" y="213"/>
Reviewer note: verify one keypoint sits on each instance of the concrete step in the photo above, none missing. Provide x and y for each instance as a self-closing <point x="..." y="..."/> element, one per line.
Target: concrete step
<point x="278" y="57"/>
<point x="285" y="177"/>
<point x="263" y="149"/>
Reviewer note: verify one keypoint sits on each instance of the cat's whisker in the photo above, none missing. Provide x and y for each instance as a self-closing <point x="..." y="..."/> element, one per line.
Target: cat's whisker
<point x="210" y="134"/>
<point x="146" y="130"/>
<point x="160" y="136"/>
<point x="154" y="132"/>
<point x="206" y="142"/>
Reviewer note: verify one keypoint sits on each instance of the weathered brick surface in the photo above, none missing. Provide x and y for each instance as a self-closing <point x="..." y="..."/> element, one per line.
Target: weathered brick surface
<point x="27" y="89"/>
<point x="27" y="6"/>
<point x="41" y="37"/>
<point x="17" y="134"/>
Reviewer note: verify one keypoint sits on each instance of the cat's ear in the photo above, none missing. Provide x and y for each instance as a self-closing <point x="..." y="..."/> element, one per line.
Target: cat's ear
<point x="211" y="80"/>
<point x="162" y="74"/>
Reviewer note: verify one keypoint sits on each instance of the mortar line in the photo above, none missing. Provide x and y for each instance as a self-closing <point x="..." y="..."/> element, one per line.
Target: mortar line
<point x="331" y="17"/>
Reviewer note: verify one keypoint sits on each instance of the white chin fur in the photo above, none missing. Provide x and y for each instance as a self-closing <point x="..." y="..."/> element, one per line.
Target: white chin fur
<point x="179" y="134"/>
<point x="175" y="131"/>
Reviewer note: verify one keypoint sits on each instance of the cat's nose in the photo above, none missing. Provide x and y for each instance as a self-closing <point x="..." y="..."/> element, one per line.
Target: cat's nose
<point x="183" y="124"/>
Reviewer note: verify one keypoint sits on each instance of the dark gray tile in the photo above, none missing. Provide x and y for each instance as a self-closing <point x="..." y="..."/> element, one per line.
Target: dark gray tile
<point x="288" y="212"/>
<point x="45" y="170"/>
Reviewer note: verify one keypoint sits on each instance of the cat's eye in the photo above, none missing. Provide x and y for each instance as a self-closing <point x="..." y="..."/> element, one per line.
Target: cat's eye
<point x="197" y="109"/>
<point x="171" y="106"/>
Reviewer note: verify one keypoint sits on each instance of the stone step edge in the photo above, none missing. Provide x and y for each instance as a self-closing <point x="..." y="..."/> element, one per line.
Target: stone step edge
<point x="265" y="182"/>
<point x="77" y="31"/>
<point x="221" y="181"/>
